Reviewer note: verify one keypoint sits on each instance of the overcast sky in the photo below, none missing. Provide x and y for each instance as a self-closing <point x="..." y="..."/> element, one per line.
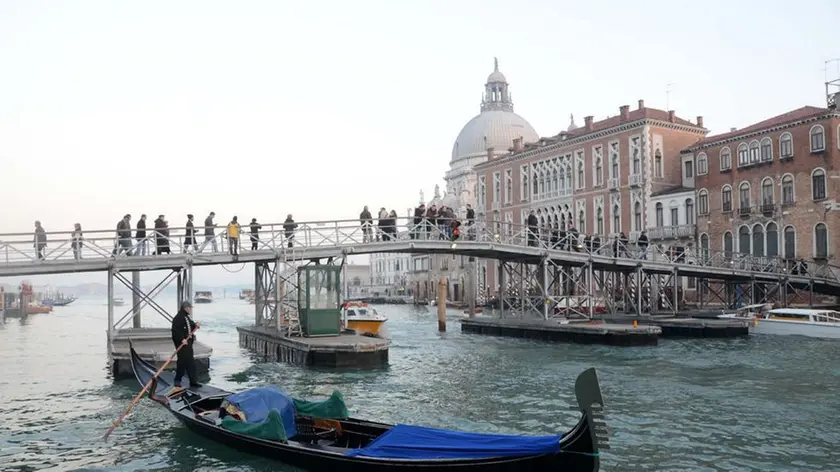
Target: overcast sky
<point x="262" y="108"/>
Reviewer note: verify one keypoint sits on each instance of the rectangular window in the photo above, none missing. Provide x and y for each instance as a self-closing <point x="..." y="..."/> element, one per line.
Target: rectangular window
<point x="482" y="191"/>
<point x="725" y="160"/>
<point x="744" y="196"/>
<point x="818" y="182"/>
<point x="497" y="187"/>
<point x="726" y="200"/>
<point x="635" y="156"/>
<point x="787" y="192"/>
<point x="786" y="146"/>
<point x="508" y="186"/>
<point x="660" y="216"/>
<point x="580" y="174"/>
<point x="598" y="163"/>
<point x="614" y="161"/>
<point x="689" y="170"/>
<point x="675" y="216"/>
<point x="523" y="182"/>
<point x="703" y="204"/>
<point x="817" y="140"/>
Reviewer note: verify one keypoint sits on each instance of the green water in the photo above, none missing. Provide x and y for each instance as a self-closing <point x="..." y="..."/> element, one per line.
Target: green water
<point x="757" y="404"/>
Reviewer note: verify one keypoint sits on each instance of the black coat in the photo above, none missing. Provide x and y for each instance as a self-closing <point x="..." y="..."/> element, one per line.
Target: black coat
<point x="141" y="229"/>
<point x="182" y="326"/>
<point x="190" y="236"/>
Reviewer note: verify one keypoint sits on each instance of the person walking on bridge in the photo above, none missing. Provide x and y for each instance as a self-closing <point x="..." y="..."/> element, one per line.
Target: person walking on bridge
<point x="123" y="243"/>
<point x="162" y="235"/>
<point x="77" y="241"/>
<point x="183" y="327"/>
<point x="40" y="242"/>
<point x="289" y="227"/>
<point x="367" y="224"/>
<point x="255" y="234"/>
<point x="190" y="240"/>
<point x="140" y="236"/>
<point x="233" y="230"/>
<point x="210" y="232"/>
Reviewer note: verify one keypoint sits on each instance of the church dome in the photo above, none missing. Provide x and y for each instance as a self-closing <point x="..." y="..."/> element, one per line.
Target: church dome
<point x="496" y="126"/>
<point x="492" y="129"/>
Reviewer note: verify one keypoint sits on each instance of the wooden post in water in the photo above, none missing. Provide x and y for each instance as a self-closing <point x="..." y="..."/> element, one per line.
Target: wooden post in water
<point x="135" y="299"/>
<point x="2" y="305"/>
<point x="471" y="288"/>
<point x="441" y="304"/>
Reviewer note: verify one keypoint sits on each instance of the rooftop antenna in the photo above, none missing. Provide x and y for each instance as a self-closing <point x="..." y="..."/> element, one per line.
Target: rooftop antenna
<point x="668" y="96"/>
<point x="832" y="83"/>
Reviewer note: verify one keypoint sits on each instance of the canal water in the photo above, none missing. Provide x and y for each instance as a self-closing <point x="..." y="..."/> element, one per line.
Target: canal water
<point x="757" y="404"/>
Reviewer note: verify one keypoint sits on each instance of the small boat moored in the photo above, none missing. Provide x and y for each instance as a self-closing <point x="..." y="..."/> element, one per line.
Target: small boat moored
<point x="321" y="436"/>
<point x="203" y="297"/>
<point x="119" y="301"/>
<point x="362" y="319"/>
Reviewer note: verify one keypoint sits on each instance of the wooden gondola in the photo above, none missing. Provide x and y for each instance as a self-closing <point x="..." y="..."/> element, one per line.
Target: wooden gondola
<point x="352" y="445"/>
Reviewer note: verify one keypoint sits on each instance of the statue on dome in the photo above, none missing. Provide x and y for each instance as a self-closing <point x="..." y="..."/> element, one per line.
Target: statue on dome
<point x="422" y="197"/>
<point x="437" y="191"/>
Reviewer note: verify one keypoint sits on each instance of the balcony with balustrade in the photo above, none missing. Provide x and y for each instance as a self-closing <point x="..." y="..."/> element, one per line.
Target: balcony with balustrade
<point x="663" y="233"/>
<point x="635" y="180"/>
<point x="612" y="183"/>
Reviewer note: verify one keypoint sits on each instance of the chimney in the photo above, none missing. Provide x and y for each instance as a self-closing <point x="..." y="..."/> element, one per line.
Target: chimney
<point x="517" y="144"/>
<point x="625" y="112"/>
<point x="671" y="116"/>
<point x="490" y="153"/>
<point x="733" y="129"/>
<point x="700" y="121"/>
<point x="587" y="123"/>
<point x="641" y="104"/>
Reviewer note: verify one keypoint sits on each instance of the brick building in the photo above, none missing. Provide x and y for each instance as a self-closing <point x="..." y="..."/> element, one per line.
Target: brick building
<point x="599" y="178"/>
<point x="767" y="189"/>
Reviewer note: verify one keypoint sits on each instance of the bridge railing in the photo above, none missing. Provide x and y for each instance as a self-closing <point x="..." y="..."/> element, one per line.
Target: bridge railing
<point x="19" y="248"/>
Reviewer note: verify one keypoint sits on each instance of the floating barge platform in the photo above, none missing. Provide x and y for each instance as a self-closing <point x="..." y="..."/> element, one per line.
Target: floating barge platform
<point x="614" y="334"/>
<point x="690" y="327"/>
<point x="154" y="345"/>
<point x="345" y="350"/>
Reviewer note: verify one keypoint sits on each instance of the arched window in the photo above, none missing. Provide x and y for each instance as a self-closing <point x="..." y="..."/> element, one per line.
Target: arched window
<point x="790" y="242"/>
<point x="702" y="164"/>
<point x="767" y="191"/>
<point x="728" y="247"/>
<point x="599" y="221"/>
<point x="744" y="240"/>
<point x="744" y="196"/>
<point x="614" y="167"/>
<point x="766" y="150"/>
<point x="599" y="171"/>
<point x="660" y="215"/>
<point x="725" y="159"/>
<point x="818" y="184"/>
<point x="637" y="216"/>
<point x="787" y="190"/>
<point x="754" y="152"/>
<point x="758" y="240"/>
<point x="785" y="146"/>
<point x="743" y="155"/>
<point x="703" y="202"/>
<point x="582" y="221"/>
<point x="772" y="233"/>
<point x="704" y="247"/>
<point x="616" y="215"/>
<point x="817" y="138"/>
<point x="689" y="211"/>
<point x="657" y="164"/>
<point x="726" y="198"/>
<point x="820" y="241"/>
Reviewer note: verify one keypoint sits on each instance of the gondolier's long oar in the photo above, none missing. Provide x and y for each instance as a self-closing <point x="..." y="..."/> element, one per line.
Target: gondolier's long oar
<point x="147" y="386"/>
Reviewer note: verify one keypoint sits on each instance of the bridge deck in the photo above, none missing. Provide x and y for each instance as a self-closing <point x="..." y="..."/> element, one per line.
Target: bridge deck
<point x="319" y="240"/>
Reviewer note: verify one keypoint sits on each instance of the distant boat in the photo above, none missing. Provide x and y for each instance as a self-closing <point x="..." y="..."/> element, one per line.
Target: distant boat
<point x="246" y="294"/>
<point x="203" y="297"/>
<point x="119" y="301"/>
<point x="59" y="300"/>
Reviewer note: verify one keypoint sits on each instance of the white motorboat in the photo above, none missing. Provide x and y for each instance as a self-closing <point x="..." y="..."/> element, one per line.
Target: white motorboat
<point x="203" y="297"/>
<point x="814" y="323"/>
<point x="119" y="301"/>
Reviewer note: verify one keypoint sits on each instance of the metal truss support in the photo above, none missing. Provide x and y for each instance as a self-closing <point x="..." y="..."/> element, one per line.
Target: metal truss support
<point x="142" y="299"/>
<point x="521" y="292"/>
<point x="266" y="295"/>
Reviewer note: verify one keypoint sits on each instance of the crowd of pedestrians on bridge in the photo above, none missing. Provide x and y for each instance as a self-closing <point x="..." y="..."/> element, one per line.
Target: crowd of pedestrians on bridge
<point x="138" y="240"/>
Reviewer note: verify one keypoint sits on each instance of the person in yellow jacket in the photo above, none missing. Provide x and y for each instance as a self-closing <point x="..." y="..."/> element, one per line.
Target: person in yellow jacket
<point x="233" y="230"/>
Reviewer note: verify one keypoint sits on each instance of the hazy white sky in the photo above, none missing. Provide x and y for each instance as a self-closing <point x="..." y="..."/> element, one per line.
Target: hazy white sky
<point x="262" y="108"/>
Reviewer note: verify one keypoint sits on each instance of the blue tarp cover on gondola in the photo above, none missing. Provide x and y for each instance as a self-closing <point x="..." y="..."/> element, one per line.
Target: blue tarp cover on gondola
<point x="418" y="442"/>
<point x="256" y="403"/>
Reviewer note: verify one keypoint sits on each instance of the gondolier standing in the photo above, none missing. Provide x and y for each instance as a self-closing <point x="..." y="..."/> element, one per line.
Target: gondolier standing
<point x="182" y="326"/>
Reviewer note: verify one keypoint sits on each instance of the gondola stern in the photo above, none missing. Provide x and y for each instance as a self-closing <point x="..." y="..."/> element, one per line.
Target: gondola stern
<point x="591" y="403"/>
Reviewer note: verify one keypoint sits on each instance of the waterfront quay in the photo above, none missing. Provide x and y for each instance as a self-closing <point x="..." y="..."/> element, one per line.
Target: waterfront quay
<point x="345" y="350"/>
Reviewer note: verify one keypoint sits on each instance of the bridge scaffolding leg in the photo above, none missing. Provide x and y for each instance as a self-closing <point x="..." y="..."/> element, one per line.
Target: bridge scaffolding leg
<point x="520" y="284"/>
<point x="147" y="342"/>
